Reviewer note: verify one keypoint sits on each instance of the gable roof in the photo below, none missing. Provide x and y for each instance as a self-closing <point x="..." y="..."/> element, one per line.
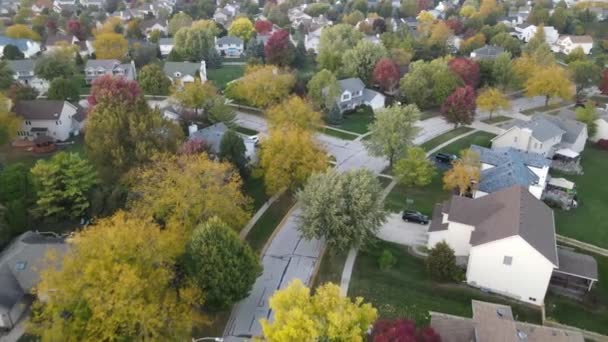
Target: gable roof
<point x="542" y="129"/>
<point x="56" y="38"/>
<point x="211" y="135"/>
<point x="21" y="44"/>
<point x="488" y="51"/>
<point x="230" y="40"/>
<point x="107" y="64"/>
<point x="571" y="128"/>
<point x="39" y="109"/>
<point x="578" y="39"/>
<point x="353" y="84"/>
<point x="149" y="23"/>
<point x="184" y="68"/>
<point x="165" y="41"/>
<point x="23" y="65"/>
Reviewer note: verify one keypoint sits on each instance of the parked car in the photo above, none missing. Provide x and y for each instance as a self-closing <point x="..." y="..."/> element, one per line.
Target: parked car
<point x="445" y="158"/>
<point x="415" y="216"/>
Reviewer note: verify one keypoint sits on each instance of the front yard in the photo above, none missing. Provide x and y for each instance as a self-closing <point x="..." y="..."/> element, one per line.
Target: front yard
<point x="357" y="120"/>
<point x="447" y="136"/>
<point x="225" y="74"/>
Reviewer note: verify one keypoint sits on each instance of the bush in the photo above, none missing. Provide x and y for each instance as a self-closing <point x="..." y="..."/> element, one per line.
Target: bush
<point x="441" y="263"/>
<point x="387" y="260"/>
<point x="602" y="144"/>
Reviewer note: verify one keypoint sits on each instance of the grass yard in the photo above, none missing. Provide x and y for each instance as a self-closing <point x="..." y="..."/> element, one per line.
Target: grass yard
<point x="424" y="198"/>
<point x="431" y="113"/>
<point x="543" y="109"/>
<point x="357" y="120"/>
<point x="10" y="155"/>
<point x="225" y="74"/>
<point x="337" y="134"/>
<point x="478" y="138"/>
<point x="263" y="229"/>
<point x="254" y="188"/>
<point x="440" y="139"/>
<point x="406" y="291"/>
<point x="331" y="268"/>
<point x="588" y="222"/>
<point x="496" y="119"/>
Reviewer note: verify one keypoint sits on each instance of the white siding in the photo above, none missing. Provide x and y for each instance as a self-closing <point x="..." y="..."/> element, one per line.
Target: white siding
<point x="602" y="130"/>
<point x="527" y="277"/>
<point x="521" y="139"/>
<point x="579" y="144"/>
<point x="458" y="236"/>
<point x="58" y="129"/>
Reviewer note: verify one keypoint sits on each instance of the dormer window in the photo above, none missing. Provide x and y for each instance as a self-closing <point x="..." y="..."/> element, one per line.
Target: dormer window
<point x="345" y="96"/>
<point x="178" y="74"/>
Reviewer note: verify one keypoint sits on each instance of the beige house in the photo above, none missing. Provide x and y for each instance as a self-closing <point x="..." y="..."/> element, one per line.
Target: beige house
<point x="566" y="44"/>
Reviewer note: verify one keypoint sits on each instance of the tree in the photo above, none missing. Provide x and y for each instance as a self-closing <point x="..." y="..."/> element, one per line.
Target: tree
<point x="293" y="112"/>
<point x="326" y="315"/>
<point x="76" y="28"/>
<point x="110" y="46"/>
<point x="603" y="85"/>
<point x="11" y="52"/>
<point x="472" y="43"/>
<point x="115" y="90"/>
<point x="491" y="100"/>
<point x="122" y="268"/>
<point x="402" y="330"/>
<point x="17" y="196"/>
<point x="578" y="54"/>
<point x="439" y="33"/>
<point x="20" y="31"/>
<point x="502" y="70"/>
<point x="334" y="41"/>
<point x="344" y="209"/>
<point x="219" y="111"/>
<point x="415" y="169"/>
<point x="466" y="69"/>
<point x="143" y="54"/>
<point x="550" y="81"/>
<point x="323" y="89"/>
<point x="288" y="157"/>
<point x="441" y="263"/>
<point x="263" y="26"/>
<point x="585" y="74"/>
<point x="133" y="30"/>
<point x="427" y="84"/>
<point x="220" y="264"/>
<point x="153" y="80"/>
<point x="232" y="149"/>
<point x="241" y="27"/>
<point x="194" y="43"/>
<point x="386" y="74"/>
<point x="459" y="107"/>
<point x="19" y="92"/>
<point x="393" y="131"/>
<point x="588" y="115"/>
<point x="464" y="172"/>
<point x="66" y="89"/>
<point x="277" y="85"/>
<point x="9" y="122"/>
<point x="178" y="21"/>
<point x="194" y="95"/>
<point x="62" y="183"/>
<point x="52" y="65"/>
<point x="361" y="60"/>
<point x="279" y="49"/>
<point x="6" y="75"/>
<point x="507" y="42"/>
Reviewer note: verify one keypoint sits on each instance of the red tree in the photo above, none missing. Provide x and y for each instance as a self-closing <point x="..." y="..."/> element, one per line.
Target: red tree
<point x="402" y="330"/>
<point x="279" y="50"/>
<point x="386" y="74"/>
<point x="423" y="5"/>
<point x="604" y="82"/>
<point x="459" y="107"/>
<point x="75" y="27"/>
<point x="194" y="146"/>
<point x="263" y="26"/>
<point x="467" y="69"/>
<point x="115" y="89"/>
<point x="455" y="25"/>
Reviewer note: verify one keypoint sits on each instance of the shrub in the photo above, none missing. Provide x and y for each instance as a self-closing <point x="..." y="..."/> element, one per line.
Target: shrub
<point x="387" y="260"/>
<point x="602" y="144"/>
<point x="441" y="263"/>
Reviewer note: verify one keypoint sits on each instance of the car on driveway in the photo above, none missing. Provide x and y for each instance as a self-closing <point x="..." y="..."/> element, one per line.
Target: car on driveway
<point x="414" y="216"/>
<point x="445" y="158"/>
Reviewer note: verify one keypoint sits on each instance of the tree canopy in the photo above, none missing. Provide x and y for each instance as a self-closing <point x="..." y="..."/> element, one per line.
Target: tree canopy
<point x="550" y="81"/>
<point x="335" y="40"/>
<point x="491" y="100"/>
<point x="293" y="112"/>
<point x="323" y="89"/>
<point x="276" y="83"/>
<point x="110" y="46"/>
<point x="242" y="28"/>
<point x="459" y="107"/>
<point x="279" y="49"/>
<point x="428" y="84"/>
<point x="153" y="80"/>
<point x="414" y="169"/>
<point x="465" y="172"/>
<point x="360" y="60"/>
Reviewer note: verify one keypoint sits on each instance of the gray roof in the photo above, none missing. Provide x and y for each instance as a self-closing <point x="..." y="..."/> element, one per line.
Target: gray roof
<point x="230" y="40"/>
<point x="453" y="328"/>
<point x="184" y="68"/>
<point x="10" y="290"/>
<point x="22" y="65"/>
<point x="509" y="212"/>
<point x="148" y="23"/>
<point x="39" y="109"/>
<point x="165" y="41"/>
<point x="21" y="44"/>
<point x="353" y="84"/>
<point x="571" y="128"/>
<point x="502" y="155"/>
<point x="211" y="135"/>
<point x="107" y="64"/>
<point x="488" y="52"/>
<point x="542" y="129"/>
<point x="581" y="265"/>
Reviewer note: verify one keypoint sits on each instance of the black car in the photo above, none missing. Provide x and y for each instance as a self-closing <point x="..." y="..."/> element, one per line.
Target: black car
<point x="445" y="158"/>
<point x="414" y="216"/>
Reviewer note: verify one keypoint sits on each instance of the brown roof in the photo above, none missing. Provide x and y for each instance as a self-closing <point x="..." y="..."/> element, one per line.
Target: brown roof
<point x="577" y="264"/>
<point x="537" y="333"/>
<point x="493" y="322"/>
<point x="56" y="38"/>
<point x="39" y="109"/>
<point x="581" y="39"/>
<point x="453" y="328"/>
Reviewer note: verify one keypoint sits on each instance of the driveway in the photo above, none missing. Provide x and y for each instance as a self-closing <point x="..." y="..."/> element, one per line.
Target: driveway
<point x="431" y="128"/>
<point x="404" y="233"/>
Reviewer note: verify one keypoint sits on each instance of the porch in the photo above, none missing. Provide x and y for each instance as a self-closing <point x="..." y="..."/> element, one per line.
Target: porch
<point x="575" y="275"/>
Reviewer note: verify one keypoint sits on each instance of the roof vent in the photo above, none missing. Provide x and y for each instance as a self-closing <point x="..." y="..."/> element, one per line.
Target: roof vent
<point x="522" y="335"/>
<point x="500" y="312"/>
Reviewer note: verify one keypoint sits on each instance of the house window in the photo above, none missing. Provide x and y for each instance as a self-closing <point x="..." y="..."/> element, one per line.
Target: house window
<point x="514" y="139"/>
<point x="507" y="260"/>
<point x="535" y="145"/>
<point x="345" y="97"/>
<point x="532" y="299"/>
<point x="28" y="122"/>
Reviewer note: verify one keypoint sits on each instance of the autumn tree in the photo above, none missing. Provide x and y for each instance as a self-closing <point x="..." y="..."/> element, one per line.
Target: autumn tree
<point x="115" y="90"/>
<point x="65" y="89"/>
<point x="585" y="74"/>
<point x="195" y="95"/>
<point x="293" y="112"/>
<point x="222" y="265"/>
<point x="402" y="330"/>
<point x="55" y="64"/>
<point x="277" y="85"/>
<point x="492" y="100"/>
<point x="441" y="263"/>
<point x="178" y="21"/>
<point x="415" y="169"/>
<point x="464" y="172"/>
<point x="241" y="27"/>
<point x="263" y="26"/>
<point x="20" y="31"/>
<point x="386" y="74"/>
<point x="334" y="41"/>
<point x="439" y="33"/>
<point x="9" y="122"/>
<point x="62" y="184"/>
<point x="472" y="43"/>
<point x="323" y="89"/>
<point x="20" y="92"/>
<point x="288" y="157"/>
<point x="195" y="43"/>
<point x="279" y="49"/>
<point x="232" y="149"/>
<point x="153" y="80"/>
<point x="428" y="84"/>
<point x="393" y="131"/>
<point x="110" y="46"/>
<point x="361" y="60"/>
<point x="344" y="209"/>
<point x="122" y="268"/>
<point x="588" y="115"/>
<point x="459" y="107"/>
<point x="467" y="70"/>
<point x="550" y="81"/>
<point x="326" y="315"/>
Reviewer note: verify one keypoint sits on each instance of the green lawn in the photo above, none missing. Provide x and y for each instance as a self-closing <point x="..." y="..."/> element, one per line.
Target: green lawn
<point x="440" y="139"/>
<point x="588" y="222"/>
<point x="406" y="291"/>
<point x="10" y="155"/>
<point x="225" y="74"/>
<point x="337" y="134"/>
<point x="331" y="268"/>
<point x="431" y="113"/>
<point x="546" y="108"/>
<point x="266" y="225"/>
<point x="478" y="138"/>
<point x="254" y="188"/>
<point x="496" y="119"/>
<point x="245" y="130"/>
<point x="357" y="120"/>
<point x="424" y="198"/>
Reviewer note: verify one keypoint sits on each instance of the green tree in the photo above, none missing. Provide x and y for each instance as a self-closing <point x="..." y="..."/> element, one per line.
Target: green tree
<point x="53" y="65"/>
<point x="66" y="89"/>
<point x="502" y="70"/>
<point x="588" y="115"/>
<point x="441" y="263"/>
<point x="194" y="43"/>
<point x="393" y="131"/>
<point x="17" y="196"/>
<point x="507" y="42"/>
<point x="345" y="209"/>
<point x="219" y="111"/>
<point x="428" y="84"/>
<point x="578" y="54"/>
<point x="361" y="60"/>
<point x="232" y="149"/>
<point x="9" y="122"/>
<point x="153" y="80"/>
<point x="323" y="89"/>
<point x="414" y="169"/>
<point x="334" y="42"/>
<point x="178" y="21"/>
<point x="222" y="265"/>
<point x="584" y="74"/>
<point x="6" y="75"/>
<point x="62" y="184"/>
<point x="12" y="52"/>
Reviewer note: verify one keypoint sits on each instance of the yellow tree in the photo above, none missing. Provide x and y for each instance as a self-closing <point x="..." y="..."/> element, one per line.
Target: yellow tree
<point x="324" y="316"/>
<point x="550" y="81"/>
<point x="261" y="86"/>
<point x="440" y="32"/>
<point x="294" y="112"/>
<point x="111" y="25"/>
<point x="194" y="94"/>
<point x="464" y="173"/>
<point x="110" y="46"/>
<point x="242" y="28"/>
<point x="21" y="31"/>
<point x="9" y="122"/>
<point x="488" y="7"/>
<point x="473" y="43"/>
<point x="288" y="157"/>
<point x="117" y="282"/>
<point x="491" y="100"/>
<point x="183" y="191"/>
<point x="524" y="67"/>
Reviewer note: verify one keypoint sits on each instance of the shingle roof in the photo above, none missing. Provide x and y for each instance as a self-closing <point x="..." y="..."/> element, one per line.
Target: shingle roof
<point x="542" y="129"/>
<point x="230" y="40"/>
<point x="578" y="264"/>
<point x="488" y="51"/>
<point x="107" y="64"/>
<point x="353" y="84"/>
<point x="211" y="135"/>
<point x="453" y="328"/>
<point x="580" y="39"/>
<point x="39" y="109"/>
<point x="165" y="41"/>
<point x="571" y="128"/>
<point x="184" y="68"/>
<point x="19" y="43"/>
<point x="503" y="155"/>
<point x="10" y="290"/>
<point x="25" y="65"/>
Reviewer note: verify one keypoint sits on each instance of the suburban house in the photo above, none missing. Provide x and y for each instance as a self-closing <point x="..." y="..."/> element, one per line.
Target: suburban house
<point x="56" y="41"/>
<point x="165" y="45"/>
<point x="149" y="25"/>
<point x="23" y="72"/>
<point x="545" y="134"/>
<point x="507" y="242"/>
<point x="495" y="322"/>
<point x="92" y="3"/>
<point x="602" y="126"/>
<point x="185" y="72"/>
<point x="526" y="32"/>
<point x="55" y="119"/>
<point x="230" y="46"/>
<point x="566" y="44"/>
<point x="28" y="47"/>
<point x="96" y="68"/>
<point x="486" y="52"/>
<point x="9" y="7"/>
<point x="20" y="266"/>
<point x="312" y="39"/>
<point x="504" y="167"/>
<point x="213" y="135"/>
<point x="353" y="94"/>
<point x="226" y="14"/>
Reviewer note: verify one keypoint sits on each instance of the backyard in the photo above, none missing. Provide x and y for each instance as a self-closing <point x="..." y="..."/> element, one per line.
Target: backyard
<point x="225" y="74"/>
<point x="10" y="155"/>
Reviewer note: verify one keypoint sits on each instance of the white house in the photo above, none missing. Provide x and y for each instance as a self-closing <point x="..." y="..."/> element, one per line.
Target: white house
<point x="353" y="94"/>
<point x="96" y="68"/>
<point x="185" y="72"/>
<point x="56" y="119"/>
<point x="526" y="32"/>
<point x="150" y="25"/>
<point x="566" y="44"/>
<point x="165" y="45"/>
<point x="23" y="72"/>
<point x="229" y="46"/>
<point x="28" y="47"/>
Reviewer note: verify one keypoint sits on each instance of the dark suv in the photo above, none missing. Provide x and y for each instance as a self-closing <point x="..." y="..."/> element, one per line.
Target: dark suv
<point x="445" y="158"/>
<point x="414" y="216"/>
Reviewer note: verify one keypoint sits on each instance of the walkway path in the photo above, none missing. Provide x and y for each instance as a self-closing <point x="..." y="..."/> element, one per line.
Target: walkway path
<point x="482" y="126"/>
<point x="582" y="245"/>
